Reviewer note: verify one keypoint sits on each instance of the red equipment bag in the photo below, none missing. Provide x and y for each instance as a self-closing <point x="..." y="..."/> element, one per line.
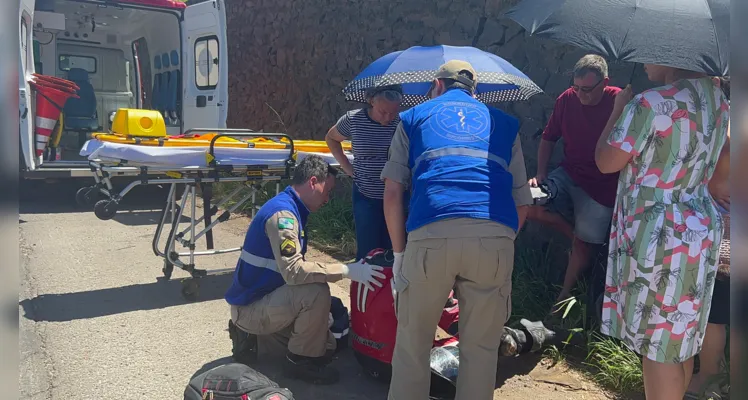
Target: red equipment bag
<point x="374" y="323"/>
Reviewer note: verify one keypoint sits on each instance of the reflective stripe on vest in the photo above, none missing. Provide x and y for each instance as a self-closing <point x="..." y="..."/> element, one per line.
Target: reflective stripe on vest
<point x="470" y="173"/>
<point x="258" y="261"/>
<point x="460" y="151"/>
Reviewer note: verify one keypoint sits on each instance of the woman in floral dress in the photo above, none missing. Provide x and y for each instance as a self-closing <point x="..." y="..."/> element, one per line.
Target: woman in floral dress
<point x="666" y="231"/>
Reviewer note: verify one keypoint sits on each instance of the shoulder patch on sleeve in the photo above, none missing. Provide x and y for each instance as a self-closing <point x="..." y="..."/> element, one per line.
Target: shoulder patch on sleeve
<point x="288" y="248"/>
<point x="285" y="223"/>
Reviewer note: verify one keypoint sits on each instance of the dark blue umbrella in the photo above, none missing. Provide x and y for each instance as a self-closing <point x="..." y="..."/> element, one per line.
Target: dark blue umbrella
<point x="688" y="34"/>
<point x="414" y="69"/>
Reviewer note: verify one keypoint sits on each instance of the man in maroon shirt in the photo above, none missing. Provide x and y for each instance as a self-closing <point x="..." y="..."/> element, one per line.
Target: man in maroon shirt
<point x="582" y="196"/>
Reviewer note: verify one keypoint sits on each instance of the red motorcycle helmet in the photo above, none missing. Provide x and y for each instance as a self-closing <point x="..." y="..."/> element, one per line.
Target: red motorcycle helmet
<point x="374" y="323"/>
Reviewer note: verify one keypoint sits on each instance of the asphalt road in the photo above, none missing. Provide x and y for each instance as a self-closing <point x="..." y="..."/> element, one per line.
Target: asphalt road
<point x="98" y="322"/>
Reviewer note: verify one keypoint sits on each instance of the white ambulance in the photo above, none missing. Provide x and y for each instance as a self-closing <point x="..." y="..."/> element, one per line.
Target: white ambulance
<point x="163" y="55"/>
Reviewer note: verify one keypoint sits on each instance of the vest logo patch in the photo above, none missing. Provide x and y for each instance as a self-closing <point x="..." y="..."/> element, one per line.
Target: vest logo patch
<point x="288" y="248"/>
<point x="461" y="122"/>
<point x="285" y="223"/>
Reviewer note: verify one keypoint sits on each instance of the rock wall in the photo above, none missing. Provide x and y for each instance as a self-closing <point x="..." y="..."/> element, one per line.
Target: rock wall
<point x="289" y="60"/>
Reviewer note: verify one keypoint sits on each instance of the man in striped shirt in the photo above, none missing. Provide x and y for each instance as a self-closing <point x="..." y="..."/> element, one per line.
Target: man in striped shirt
<point x="370" y="131"/>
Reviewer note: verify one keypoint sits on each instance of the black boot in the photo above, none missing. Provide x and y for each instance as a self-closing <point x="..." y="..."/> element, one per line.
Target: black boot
<point x="530" y="337"/>
<point x="244" y="345"/>
<point x="538" y="333"/>
<point x="314" y="370"/>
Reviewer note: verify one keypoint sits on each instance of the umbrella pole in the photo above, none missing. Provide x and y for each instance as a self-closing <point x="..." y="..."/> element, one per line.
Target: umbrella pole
<point x="633" y="71"/>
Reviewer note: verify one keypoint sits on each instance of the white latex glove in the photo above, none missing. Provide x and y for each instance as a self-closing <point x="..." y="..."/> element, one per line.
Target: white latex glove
<point x="396" y="267"/>
<point x="398" y="264"/>
<point x="365" y="274"/>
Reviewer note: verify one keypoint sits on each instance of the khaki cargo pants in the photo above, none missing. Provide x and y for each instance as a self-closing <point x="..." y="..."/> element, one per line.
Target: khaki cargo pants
<point x="296" y="316"/>
<point x="480" y="268"/>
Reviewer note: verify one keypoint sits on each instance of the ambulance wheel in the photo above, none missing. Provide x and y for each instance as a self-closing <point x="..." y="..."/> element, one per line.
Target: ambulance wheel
<point x="86" y="196"/>
<point x="105" y="209"/>
<point x="167" y="269"/>
<point x="190" y="289"/>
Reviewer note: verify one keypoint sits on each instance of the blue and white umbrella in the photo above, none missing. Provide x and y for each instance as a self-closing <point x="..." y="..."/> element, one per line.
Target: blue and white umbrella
<point x="414" y="70"/>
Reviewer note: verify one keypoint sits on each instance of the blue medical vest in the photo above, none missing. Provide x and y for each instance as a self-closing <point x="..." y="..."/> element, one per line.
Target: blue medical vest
<point x="256" y="271"/>
<point x="459" y="154"/>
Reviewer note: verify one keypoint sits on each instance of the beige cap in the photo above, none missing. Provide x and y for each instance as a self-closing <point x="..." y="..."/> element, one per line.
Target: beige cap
<point x="451" y="70"/>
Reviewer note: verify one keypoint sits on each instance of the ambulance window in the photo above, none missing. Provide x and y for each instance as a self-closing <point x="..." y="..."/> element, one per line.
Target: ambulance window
<point x="68" y="61"/>
<point x="27" y="55"/>
<point x="24" y="33"/>
<point x="206" y="62"/>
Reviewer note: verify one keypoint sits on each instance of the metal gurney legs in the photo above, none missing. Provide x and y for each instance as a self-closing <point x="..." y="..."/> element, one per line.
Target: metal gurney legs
<point x="250" y="173"/>
<point x="172" y="215"/>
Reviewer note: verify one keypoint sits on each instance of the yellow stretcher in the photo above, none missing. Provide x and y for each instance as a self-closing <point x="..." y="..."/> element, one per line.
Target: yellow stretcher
<point x="198" y="159"/>
<point x="147" y="128"/>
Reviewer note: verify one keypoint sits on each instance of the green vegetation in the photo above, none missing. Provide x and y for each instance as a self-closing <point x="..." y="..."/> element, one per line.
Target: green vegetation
<point x="607" y="361"/>
<point x="614" y="366"/>
<point x="330" y="229"/>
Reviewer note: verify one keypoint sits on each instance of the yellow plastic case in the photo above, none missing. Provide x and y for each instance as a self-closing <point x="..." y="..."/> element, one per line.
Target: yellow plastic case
<point x="139" y="123"/>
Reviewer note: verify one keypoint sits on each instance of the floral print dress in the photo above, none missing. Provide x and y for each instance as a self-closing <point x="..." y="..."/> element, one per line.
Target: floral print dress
<point x="666" y="231"/>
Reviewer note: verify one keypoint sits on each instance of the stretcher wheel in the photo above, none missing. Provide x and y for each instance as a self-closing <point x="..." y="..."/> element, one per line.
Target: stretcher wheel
<point x="105" y="209"/>
<point x="190" y="289"/>
<point x="167" y="269"/>
<point x="86" y="196"/>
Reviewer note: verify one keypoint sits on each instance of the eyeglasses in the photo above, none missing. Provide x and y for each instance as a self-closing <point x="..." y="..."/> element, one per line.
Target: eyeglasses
<point x="585" y="89"/>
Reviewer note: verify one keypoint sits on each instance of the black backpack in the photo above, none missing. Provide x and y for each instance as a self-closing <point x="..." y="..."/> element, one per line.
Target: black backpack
<point x="234" y="382"/>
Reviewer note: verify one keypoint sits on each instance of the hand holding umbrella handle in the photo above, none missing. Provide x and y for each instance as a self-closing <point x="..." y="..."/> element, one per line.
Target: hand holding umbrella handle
<point x="622" y="98"/>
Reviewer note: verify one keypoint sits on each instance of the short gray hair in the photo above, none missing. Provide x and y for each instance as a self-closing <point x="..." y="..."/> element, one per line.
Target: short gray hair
<point x="591" y="63"/>
<point x="312" y="166"/>
<point x="392" y="93"/>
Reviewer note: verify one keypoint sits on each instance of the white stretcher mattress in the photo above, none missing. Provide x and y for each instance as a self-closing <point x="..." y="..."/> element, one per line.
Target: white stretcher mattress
<point x="190" y="157"/>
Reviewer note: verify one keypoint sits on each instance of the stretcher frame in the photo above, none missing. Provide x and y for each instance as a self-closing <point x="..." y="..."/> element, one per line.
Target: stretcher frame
<point x="255" y="178"/>
<point x="103" y="171"/>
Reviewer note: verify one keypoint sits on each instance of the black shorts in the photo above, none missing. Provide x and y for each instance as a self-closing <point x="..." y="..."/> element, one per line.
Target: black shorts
<point x="720" y="311"/>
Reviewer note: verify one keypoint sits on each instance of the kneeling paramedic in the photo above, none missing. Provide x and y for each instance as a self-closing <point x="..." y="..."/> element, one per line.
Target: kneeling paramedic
<point x="276" y="292"/>
<point x="464" y="166"/>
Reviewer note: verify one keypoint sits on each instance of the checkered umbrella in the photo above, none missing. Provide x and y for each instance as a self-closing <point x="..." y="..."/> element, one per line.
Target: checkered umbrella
<point x="414" y="70"/>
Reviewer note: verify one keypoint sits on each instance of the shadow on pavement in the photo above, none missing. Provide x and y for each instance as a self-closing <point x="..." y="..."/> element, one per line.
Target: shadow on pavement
<point x="131" y="217"/>
<point x="39" y="197"/>
<point x="510" y="367"/>
<point x="98" y="303"/>
<point x="353" y="384"/>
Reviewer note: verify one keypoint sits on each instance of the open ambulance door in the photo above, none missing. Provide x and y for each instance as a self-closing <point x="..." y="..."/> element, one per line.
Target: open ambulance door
<point x="205" y="65"/>
<point x="26" y="67"/>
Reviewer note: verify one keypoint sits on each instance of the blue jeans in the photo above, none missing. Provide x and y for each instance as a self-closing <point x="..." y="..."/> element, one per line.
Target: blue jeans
<point x="371" y="227"/>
